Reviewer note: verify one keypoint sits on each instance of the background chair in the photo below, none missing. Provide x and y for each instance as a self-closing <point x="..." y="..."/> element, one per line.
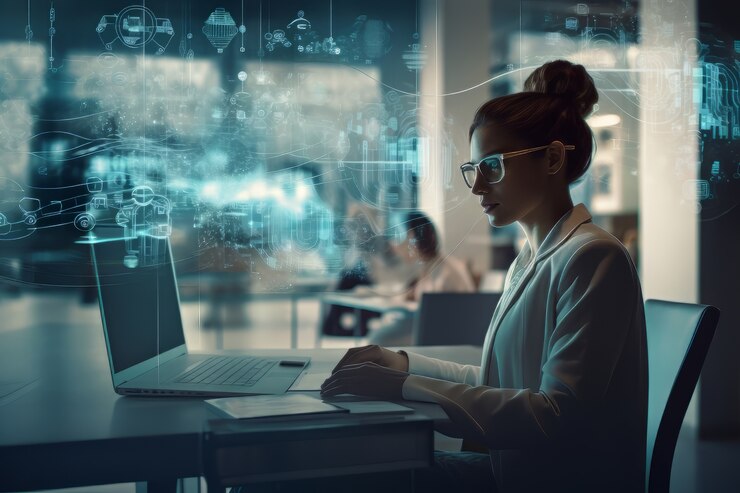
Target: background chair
<point x="678" y="338"/>
<point x="446" y="319"/>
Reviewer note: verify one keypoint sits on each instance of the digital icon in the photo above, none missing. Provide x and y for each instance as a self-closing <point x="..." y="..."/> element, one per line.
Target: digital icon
<point x="330" y="46"/>
<point x="715" y="168"/>
<point x="146" y="218"/>
<point x="696" y="189"/>
<point x="123" y="217"/>
<point x="100" y="202"/>
<point x="52" y="32"/>
<point x="415" y="57"/>
<point x="135" y="26"/>
<point x="131" y="261"/>
<point x="108" y="59"/>
<point x="300" y="23"/>
<point x="29" y="204"/>
<point x="275" y="39"/>
<point x="84" y="222"/>
<point x="94" y="184"/>
<point x="142" y="195"/>
<point x="220" y="29"/>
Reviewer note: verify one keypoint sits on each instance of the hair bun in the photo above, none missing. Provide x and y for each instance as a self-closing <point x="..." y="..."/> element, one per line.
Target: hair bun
<point x="565" y="80"/>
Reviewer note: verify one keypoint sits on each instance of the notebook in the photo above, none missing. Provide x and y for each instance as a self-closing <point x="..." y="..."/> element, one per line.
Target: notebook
<point x="271" y="406"/>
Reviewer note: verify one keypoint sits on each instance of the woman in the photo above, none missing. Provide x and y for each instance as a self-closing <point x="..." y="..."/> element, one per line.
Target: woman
<point x="433" y="273"/>
<point x="560" y="398"/>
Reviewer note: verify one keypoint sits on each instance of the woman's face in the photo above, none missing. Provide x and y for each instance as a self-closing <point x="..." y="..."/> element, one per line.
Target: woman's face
<point x="525" y="182"/>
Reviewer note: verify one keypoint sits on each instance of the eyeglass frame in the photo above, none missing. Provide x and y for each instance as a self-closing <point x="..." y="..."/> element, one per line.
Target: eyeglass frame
<point x="501" y="156"/>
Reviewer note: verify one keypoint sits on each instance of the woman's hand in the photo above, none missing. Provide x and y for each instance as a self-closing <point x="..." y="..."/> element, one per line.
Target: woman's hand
<point x="374" y="354"/>
<point x="366" y="379"/>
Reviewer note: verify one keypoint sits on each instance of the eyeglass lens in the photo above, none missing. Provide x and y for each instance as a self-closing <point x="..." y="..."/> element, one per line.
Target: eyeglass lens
<point x="491" y="168"/>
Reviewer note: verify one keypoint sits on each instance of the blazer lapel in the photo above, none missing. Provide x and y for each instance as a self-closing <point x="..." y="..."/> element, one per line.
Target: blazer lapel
<point x="556" y="237"/>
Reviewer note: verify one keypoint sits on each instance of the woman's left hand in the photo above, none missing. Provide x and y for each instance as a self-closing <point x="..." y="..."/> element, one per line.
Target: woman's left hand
<point x="366" y="379"/>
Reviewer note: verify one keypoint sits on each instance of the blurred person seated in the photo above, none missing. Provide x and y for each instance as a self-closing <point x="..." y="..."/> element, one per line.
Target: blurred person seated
<point x="364" y="245"/>
<point x="433" y="272"/>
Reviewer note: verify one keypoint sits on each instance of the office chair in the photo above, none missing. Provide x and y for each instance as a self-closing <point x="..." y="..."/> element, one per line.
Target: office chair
<point x="678" y="337"/>
<point x="446" y="319"/>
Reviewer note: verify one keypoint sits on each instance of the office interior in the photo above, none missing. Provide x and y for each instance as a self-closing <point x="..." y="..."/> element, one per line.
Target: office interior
<point x="277" y="143"/>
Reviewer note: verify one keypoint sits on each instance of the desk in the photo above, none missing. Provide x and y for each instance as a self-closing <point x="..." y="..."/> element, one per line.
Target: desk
<point x="64" y="426"/>
<point x="190" y="286"/>
<point x="359" y="302"/>
<point x="373" y="303"/>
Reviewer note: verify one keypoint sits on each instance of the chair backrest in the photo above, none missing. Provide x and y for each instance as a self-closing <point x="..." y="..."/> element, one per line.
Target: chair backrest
<point x="678" y="337"/>
<point x="448" y="319"/>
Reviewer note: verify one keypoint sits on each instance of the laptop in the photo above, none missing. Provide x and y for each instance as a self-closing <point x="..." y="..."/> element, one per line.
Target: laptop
<point x="147" y="352"/>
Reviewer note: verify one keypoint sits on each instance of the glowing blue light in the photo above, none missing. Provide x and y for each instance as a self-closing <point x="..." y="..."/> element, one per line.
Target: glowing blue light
<point x="301" y="192"/>
<point x="210" y="190"/>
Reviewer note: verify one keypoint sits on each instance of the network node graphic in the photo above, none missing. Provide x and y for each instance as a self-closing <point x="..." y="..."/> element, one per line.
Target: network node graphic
<point x="135" y="26"/>
<point x="220" y="29"/>
<point x="85" y="222"/>
<point x="275" y="39"/>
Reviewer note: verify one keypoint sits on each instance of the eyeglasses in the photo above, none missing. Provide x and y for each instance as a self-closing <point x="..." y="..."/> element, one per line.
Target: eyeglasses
<point x="492" y="167"/>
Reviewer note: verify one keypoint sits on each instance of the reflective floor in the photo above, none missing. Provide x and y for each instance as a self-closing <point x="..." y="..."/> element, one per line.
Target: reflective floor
<point x="699" y="466"/>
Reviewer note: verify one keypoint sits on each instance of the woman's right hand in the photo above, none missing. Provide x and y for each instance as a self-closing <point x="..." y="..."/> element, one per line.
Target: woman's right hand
<point x="374" y="354"/>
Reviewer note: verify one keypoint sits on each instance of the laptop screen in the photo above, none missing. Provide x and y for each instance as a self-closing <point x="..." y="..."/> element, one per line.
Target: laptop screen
<point x="139" y="304"/>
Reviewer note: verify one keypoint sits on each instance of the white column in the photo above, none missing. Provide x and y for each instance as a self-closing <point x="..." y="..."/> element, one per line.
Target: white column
<point x="669" y="155"/>
<point x="458" y="44"/>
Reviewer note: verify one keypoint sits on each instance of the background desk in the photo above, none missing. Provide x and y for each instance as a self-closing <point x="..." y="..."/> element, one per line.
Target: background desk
<point x="64" y="426"/>
<point x="360" y="302"/>
<point x="221" y="288"/>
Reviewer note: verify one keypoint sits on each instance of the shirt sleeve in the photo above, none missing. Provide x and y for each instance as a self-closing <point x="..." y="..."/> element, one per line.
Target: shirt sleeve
<point x="597" y="295"/>
<point x="443" y="370"/>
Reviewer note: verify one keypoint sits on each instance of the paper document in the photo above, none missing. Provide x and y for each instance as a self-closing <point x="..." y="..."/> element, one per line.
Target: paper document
<point x="374" y="407"/>
<point x="309" y="381"/>
<point x="261" y="406"/>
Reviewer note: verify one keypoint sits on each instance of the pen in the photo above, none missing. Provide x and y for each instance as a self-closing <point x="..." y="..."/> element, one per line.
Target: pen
<point x="292" y="363"/>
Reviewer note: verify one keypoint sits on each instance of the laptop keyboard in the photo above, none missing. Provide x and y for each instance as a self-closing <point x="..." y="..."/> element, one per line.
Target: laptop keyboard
<point x="227" y="370"/>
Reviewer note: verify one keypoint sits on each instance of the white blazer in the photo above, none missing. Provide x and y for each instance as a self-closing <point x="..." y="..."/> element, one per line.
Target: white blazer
<point x="560" y="398"/>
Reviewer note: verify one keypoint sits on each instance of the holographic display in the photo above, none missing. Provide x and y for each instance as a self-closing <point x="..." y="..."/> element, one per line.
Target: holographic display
<point x="255" y="151"/>
<point x="134" y="27"/>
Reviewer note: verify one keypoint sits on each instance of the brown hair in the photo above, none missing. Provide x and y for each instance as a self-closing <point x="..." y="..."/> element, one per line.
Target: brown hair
<point x="557" y="98"/>
<point x="424" y="232"/>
